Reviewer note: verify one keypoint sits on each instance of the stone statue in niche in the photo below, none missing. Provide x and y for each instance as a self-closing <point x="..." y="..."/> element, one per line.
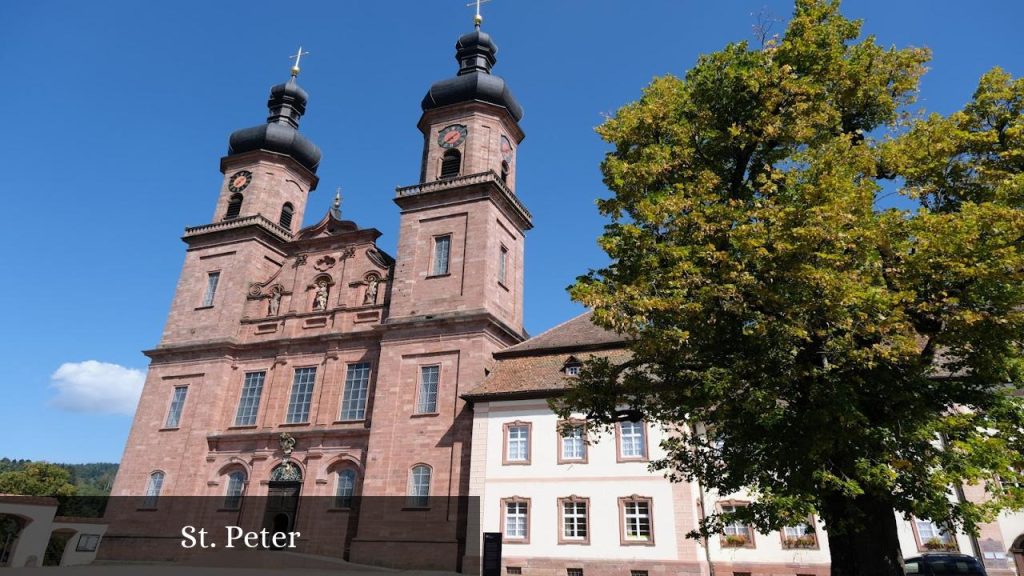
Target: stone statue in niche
<point x="274" y="301"/>
<point x="372" y="283"/>
<point x="322" y="291"/>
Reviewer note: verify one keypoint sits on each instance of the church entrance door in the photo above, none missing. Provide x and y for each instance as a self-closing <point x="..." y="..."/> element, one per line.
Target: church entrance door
<point x="283" y="499"/>
<point x="282" y="507"/>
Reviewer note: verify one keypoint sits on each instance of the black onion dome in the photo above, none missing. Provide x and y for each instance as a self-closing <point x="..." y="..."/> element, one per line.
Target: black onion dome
<point x="475" y="53"/>
<point x="287" y="104"/>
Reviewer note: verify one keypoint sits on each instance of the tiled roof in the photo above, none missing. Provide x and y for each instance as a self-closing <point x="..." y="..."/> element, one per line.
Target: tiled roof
<point x="535" y="368"/>
<point x="579" y="333"/>
<point x="535" y="375"/>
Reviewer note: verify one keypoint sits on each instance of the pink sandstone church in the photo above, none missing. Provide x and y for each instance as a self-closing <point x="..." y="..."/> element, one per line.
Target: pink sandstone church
<point x="305" y="362"/>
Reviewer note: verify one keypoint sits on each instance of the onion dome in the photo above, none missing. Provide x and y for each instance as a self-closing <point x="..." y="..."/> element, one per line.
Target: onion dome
<point x="287" y="104"/>
<point x="475" y="53"/>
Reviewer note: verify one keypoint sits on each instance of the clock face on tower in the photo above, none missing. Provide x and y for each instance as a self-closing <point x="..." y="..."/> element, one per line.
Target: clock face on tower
<point x="507" y="152"/>
<point x="452" y="136"/>
<point x="239" y="180"/>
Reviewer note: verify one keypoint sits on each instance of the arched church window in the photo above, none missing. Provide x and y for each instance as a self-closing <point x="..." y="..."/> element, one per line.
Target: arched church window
<point x="346" y="488"/>
<point x="451" y="163"/>
<point x="419" y="486"/>
<point x="286" y="216"/>
<point x="153" y="488"/>
<point x="504" y="172"/>
<point x="234" y="207"/>
<point x="236" y="487"/>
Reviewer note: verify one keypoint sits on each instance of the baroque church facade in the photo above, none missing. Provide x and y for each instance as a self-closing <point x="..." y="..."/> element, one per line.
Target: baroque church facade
<point x="300" y="362"/>
<point x="400" y="392"/>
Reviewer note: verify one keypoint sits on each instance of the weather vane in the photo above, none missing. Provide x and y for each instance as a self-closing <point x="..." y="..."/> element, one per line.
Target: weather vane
<point x="298" y="56"/>
<point x="478" y="19"/>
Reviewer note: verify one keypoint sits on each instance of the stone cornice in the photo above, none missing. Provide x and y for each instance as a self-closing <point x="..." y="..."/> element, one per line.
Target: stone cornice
<point x="227" y="163"/>
<point x="232" y="348"/>
<point x="454" y="111"/>
<point x="271" y="436"/>
<point x="257" y="221"/>
<point x="430" y="194"/>
<point x="394" y="325"/>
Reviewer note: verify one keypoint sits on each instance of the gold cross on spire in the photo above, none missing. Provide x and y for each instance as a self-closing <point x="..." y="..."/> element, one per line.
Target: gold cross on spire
<point x="478" y="19"/>
<point x="298" y="56"/>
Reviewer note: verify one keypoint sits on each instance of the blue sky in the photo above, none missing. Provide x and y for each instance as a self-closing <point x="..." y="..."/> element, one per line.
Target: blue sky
<point x="116" y="115"/>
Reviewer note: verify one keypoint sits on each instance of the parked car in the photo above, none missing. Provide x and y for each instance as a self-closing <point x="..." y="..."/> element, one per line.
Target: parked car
<point x="941" y="564"/>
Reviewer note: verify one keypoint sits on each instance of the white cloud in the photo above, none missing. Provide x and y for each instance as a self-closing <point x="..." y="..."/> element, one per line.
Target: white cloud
<point x="93" y="386"/>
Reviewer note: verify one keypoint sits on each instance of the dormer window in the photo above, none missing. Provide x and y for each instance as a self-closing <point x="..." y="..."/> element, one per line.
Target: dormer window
<point x="234" y="207"/>
<point x="572" y="367"/>
<point x="451" y="164"/>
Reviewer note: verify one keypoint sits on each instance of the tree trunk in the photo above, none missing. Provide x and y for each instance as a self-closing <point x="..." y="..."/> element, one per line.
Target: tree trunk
<point x="862" y="536"/>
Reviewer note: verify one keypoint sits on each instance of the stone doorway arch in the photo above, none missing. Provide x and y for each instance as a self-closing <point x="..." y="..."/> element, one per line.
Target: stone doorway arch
<point x="283" y="498"/>
<point x="1017" y="550"/>
<point x="11" y="528"/>
<point x="57" y="546"/>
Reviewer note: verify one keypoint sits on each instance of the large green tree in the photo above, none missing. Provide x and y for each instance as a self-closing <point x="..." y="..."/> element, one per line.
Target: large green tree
<point x="37" y="479"/>
<point x="840" y="358"/>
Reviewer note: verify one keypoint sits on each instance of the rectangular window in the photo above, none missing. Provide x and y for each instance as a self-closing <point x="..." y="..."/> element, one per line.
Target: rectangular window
<point x="513" y="570"/>
<point x="572" y="444"/>
<point x="632" y="444"/>
<point x="211" y="288"/>
<point x="800" y="535"/>
<point x="177" y="404"/>
<point x="574" y="572"/>
<point x="574" y="521"/>
<point x="502" y="264"/>
<point x="249" y="404"/>
<point x="442" y="249"/>
<point x="736" y="533"/>
<point x="638" y="573"/>
<point x="933" y="537"/>
<point x="516" y="519"/>
<point x="636" y="521"/>
<point x="798" y="531"/>
<point x="426" y="403"/>
<point x="357" y="386"/>
<point x="87" y="543"/>
<point x="517" y="443"/>
<point x="301" y="396"/>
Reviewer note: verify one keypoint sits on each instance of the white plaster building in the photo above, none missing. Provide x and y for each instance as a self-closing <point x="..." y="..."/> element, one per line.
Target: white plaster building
<point x="29" y="525"/>
<point x="571" y="508"/>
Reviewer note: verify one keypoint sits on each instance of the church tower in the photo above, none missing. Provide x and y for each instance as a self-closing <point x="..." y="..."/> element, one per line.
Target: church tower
<point x="457" y="295"/>
<point x="268" y="172"/>
<point x="191" y="386"/>
<point x="462" y="227"/>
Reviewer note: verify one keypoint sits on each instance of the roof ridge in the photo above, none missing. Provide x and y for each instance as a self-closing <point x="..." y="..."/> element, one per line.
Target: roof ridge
<point x="552" y="329"/>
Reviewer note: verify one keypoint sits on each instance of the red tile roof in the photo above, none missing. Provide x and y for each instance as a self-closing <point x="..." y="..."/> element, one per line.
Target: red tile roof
<point x="578" y="333"/>
<point x="535" y="368"/>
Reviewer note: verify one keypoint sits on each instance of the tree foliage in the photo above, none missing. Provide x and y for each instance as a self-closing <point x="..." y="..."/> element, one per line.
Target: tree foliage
<point x="840" y="355"/>
<point x="91" y="479"/>
<point x="37" y="479"/>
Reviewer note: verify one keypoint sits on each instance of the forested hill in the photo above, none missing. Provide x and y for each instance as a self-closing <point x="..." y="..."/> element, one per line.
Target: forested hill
<point x="94" y="479"/>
